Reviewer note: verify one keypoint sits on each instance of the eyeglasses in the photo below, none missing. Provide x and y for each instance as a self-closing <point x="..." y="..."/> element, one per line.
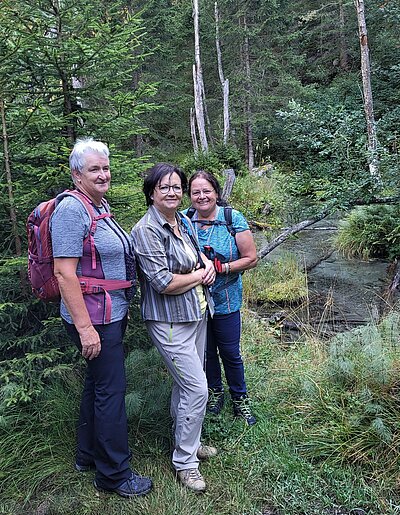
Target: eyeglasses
<point x="198" y="193"/>
<point x="165" y="189"/>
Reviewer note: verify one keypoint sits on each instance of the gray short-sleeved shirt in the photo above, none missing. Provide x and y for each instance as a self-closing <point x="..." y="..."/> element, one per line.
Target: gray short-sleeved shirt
<point x="70" y="225"/>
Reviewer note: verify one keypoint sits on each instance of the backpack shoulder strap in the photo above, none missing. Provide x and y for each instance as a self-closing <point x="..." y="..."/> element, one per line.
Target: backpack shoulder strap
<point x="94" y="217"/>
<point x="228" y="220"/>
<point x="190" y="212"/>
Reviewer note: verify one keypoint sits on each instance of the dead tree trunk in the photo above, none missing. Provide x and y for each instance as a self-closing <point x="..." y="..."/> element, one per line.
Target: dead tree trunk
<point x="198" y="85"/>
<point x="367" y="90"/>
<point x="247" y="106"/>
<point x="289" y="232"/>
<point x="224" y="82"/>
<point x="7" y="167"/>
<point x="228" y="186"/>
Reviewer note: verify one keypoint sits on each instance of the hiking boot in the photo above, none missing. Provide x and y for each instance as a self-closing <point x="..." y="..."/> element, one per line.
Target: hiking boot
<point x="133" y="487"/>
<point x="192" y="479"/>
<point x="241" y="408"/>
<point x="204" y="452"/>
<point x="215" y="401"/>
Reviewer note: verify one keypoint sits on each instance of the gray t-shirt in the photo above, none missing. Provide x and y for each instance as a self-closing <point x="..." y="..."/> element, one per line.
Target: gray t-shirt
<point x="69" y="227"/>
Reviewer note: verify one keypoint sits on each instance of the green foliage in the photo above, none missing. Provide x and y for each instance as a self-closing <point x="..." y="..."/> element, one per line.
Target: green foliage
<point x="296" y="399"/>
<point x="350" y="403"/>
<point x="215" y="161"/>
<point x="33" y="344"/>
<point x="372" y="231"/>
<point x="276" y="282"/>
<point x="251" y="194"/>
<point x="330" y="152"/>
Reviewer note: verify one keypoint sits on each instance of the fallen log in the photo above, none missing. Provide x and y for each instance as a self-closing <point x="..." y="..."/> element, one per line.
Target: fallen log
<point x="290" y="231"/>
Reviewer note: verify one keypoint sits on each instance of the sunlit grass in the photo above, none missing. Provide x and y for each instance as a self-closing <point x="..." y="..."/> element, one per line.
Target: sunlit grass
<point x="278" y="282"/>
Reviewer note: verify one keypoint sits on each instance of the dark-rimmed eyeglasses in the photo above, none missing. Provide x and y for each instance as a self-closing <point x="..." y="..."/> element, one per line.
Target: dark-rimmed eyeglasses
<point x="165" y="189"/>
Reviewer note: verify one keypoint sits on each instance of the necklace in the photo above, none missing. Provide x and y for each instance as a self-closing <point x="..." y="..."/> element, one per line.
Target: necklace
<point x="173" y="225"/>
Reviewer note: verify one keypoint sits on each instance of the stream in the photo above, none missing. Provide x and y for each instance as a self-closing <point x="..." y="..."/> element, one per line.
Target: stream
<point x="343" y="293"/>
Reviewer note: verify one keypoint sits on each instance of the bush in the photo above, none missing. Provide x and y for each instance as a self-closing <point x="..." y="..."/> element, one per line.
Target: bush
<point x="372" y="231"/>
<point x="349" y="398"/>
<point x="215" y="161"/>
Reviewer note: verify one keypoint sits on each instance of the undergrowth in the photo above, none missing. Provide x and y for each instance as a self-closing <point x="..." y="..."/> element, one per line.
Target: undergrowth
<point x="325" y="442"/>
<point x="371" y="231"/>
<point x="278" y="282"/>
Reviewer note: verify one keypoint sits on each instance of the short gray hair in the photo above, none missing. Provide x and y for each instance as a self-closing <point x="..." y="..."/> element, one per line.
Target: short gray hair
<point x="82" y="147"/>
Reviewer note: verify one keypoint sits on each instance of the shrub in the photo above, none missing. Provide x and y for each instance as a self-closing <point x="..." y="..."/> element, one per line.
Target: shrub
<point x="372" y="231"/>
<point x="349" y="398"/>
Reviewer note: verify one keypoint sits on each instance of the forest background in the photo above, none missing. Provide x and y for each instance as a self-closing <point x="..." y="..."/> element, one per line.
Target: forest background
<point x="123" y="72"/>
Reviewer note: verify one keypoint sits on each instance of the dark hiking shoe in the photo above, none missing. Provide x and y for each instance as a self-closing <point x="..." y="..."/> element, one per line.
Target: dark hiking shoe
<point x="133" y="487"/>
<point x="241" y="408"/>
<point x="215" y="401"/>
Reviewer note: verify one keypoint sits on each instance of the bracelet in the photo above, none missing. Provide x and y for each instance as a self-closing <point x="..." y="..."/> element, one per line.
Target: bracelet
<point x="227" y="268"/>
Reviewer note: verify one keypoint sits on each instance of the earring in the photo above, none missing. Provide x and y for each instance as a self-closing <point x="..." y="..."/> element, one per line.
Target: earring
<point x="152" y="198"/>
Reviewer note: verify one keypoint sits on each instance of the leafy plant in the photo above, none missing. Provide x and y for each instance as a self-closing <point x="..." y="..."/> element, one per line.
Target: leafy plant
<point x="372" y="231"/>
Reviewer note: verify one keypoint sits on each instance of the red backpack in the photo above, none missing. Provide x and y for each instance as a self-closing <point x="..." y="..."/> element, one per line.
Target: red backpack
<point x="40" y="253"/>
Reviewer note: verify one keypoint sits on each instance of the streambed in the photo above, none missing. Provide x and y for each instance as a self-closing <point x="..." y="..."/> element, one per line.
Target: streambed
<point x="343" y="293"/>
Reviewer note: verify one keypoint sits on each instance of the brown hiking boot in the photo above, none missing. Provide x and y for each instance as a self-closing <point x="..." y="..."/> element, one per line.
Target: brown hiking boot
<point x="192" y="479"/>
<point x="204" y="452"/>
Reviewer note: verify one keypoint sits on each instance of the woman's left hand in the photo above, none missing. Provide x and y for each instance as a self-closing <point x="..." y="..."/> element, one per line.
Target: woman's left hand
<point x="209" y="271"/>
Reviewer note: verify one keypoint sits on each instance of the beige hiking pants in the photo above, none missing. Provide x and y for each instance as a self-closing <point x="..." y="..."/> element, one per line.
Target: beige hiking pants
<point x="182" y="346"/>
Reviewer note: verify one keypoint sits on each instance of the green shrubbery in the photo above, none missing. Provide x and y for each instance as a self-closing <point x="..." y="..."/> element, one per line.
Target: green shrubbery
<point x="215" y="161"/>
<point x="327" y="434"/>
<point x="372" y="231"/>
<point x="349" y="399"/>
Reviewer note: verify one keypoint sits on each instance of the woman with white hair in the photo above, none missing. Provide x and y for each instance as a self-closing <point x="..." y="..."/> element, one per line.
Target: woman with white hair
<point x="93" y="263"/>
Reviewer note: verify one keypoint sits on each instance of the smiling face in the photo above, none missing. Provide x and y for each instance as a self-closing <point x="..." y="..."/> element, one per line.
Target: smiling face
<point x="168" y="201"/>
<point x="203" y="197"/>
<point x="95" y="178"/>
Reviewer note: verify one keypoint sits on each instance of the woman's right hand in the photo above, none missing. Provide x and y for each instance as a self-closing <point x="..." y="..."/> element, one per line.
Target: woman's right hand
<point x="70" y="289"/>
<point x="208" y="273"/>
<point x="91" y="344"/>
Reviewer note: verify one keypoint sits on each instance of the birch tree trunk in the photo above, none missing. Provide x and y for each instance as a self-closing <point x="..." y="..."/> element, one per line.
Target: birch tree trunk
<point x="367" y="90"/>
<point x="224" y="82"/>
<point x="247" y="106"/>
<point x="7" y="167"/>
<point x="198" y="85"/>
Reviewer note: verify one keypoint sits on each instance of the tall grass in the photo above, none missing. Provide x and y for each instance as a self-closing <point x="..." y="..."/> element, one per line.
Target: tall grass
<point x="372" y="231"/>
<point x="326" y="439"/>
<point x="277" y="282"/>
